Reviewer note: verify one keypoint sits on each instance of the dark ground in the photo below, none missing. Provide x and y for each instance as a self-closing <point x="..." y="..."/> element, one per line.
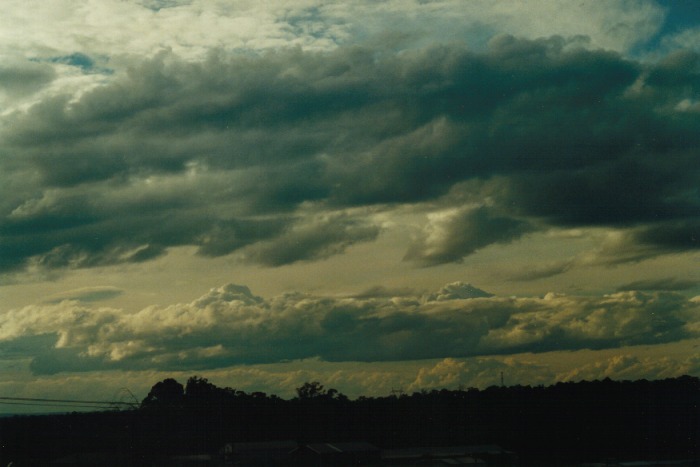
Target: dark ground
<point x="566" y="423"/>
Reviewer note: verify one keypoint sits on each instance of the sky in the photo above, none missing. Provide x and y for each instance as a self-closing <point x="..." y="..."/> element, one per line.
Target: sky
<point x="380" y="196"/>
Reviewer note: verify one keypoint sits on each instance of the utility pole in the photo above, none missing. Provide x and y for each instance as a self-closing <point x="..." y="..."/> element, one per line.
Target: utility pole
<point x="502" y="385"/>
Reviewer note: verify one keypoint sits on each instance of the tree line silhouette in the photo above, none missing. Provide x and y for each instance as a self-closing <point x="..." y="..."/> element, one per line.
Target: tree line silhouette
<point x="565" y="422"/>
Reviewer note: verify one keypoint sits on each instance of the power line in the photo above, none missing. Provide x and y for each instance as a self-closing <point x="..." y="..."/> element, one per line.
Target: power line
<point x="67" y="403"/>
<point x="41" y="404"/>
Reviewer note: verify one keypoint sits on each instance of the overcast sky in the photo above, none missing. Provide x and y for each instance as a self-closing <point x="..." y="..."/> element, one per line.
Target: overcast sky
<point x="375" y="195"/>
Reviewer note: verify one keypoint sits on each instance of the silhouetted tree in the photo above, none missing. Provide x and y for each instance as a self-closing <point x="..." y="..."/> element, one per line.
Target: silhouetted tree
<point x="310" y="390"/>
<point x="166" y="393"/>
<point x="315" y="390"/>
<point x="201" y="391"/>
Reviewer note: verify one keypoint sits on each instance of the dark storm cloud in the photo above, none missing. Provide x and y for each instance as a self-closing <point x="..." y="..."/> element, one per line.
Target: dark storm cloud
<point x="668" y="283"/>
<point x="230" y="325"/>
<point x="674" y="237"/>
<point x="313" y="238"/>
<point x="649" y="241"/>
<point x="459" y="233"/>
<point x="231" y="152"/>
<point x="676" y="72"/>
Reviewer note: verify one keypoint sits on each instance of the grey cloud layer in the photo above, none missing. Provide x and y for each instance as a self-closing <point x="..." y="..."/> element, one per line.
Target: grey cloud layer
<point x="230" y="325"/>
<point x="21" y="78"/>
<point x="283" y="155"/>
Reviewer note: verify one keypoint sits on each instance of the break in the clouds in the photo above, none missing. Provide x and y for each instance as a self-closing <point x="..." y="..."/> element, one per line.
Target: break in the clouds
<point x="87" y="294"/>
<point x="230" y="325"/>
<point x="284" y="156"/>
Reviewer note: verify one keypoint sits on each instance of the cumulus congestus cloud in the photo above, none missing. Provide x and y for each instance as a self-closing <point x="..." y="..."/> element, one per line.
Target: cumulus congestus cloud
<point x="230" y="325"/>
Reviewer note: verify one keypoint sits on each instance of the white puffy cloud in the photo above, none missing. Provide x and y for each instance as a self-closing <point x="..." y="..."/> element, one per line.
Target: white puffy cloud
<point x="454" y="373"/>
<point x="458" y="290"/>
<point x="631" y="367"/>
<point x="230" y="325"/>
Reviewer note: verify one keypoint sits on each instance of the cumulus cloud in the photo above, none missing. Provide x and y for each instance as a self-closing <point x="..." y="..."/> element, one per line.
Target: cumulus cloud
<point x="482" y="372"/>
<point x="454" y="373"/>
<point x="457" y="291"/>
<point x="631" y="367"/>
<point x="230" y="325"/>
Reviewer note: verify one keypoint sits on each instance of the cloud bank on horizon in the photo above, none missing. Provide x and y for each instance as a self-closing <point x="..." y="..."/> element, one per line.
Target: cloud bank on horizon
<point x="292" y="132"/>
<point x="230" y="326"/>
